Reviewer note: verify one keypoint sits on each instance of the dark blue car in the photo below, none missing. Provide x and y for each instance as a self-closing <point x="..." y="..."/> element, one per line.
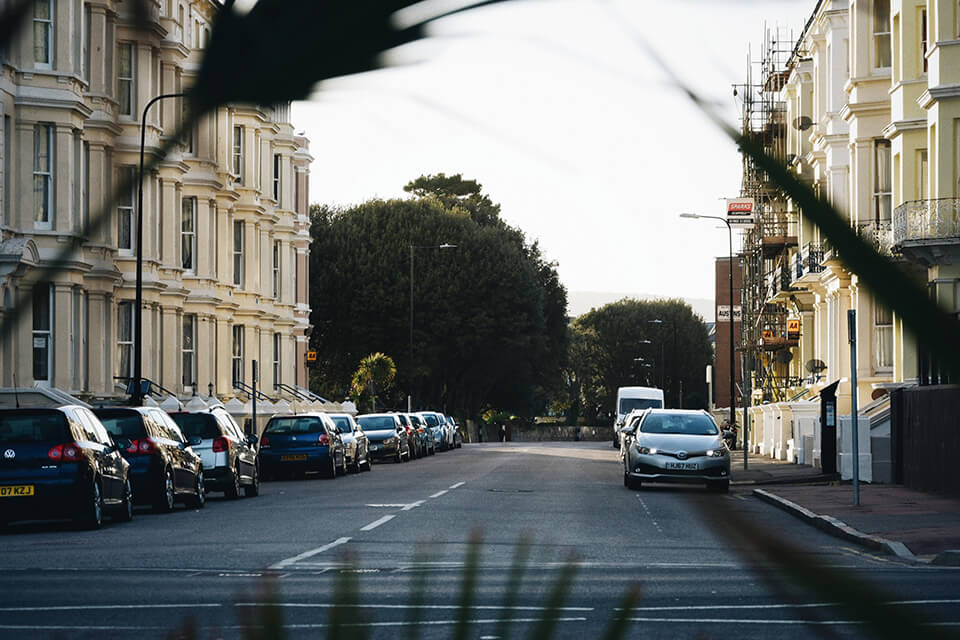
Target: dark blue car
<point x="294" y="445"/>
<point x="61" y="463"/>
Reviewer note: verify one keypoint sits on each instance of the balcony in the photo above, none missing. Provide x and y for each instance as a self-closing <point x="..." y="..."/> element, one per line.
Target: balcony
<point x="928" y="231"/>
<point x="879" y="234"/>
<point x="807" y="261"/>
<point x="777" y="234"/>
<point x="779" y="282"/>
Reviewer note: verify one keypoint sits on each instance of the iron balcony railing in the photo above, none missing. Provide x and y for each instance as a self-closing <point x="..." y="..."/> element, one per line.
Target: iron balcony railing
<point x="808" y="260"/>
<point x="937" y="219"/>
<point x="879" y="234"/>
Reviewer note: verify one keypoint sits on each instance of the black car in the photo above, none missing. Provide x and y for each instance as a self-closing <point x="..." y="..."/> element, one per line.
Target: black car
<point x="229" y="458"/>
<point x="387" y="435"/>
<point x="163" y="468"/>
<point x="61" y="463"/>
<point x="413" y="437"/>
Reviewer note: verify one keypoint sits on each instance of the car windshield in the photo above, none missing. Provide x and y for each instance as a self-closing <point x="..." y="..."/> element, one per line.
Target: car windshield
<point x="294" y="425"/>
<point x="122" y="423"/>
<point x="376" y="423"/>
<point x="691" y="424"/>
<point x="431" y="420"/>
<point x="629" y="404"/>
<point x="197" y="425"/>
<point x="343" y="424"/>
<point x="33" y="426"/>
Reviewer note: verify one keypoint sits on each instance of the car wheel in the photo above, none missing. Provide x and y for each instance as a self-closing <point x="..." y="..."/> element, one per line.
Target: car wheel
<point x="343" y="469"/>
<point x="253" y="489"/>
<point x="368" y="463"/>
<point x="90" y="515"/>
<point x="125" y="512"/>
<point x="166" y="495"/>
<point x="399" y="457"/>
<point x="233" y="489"/>
<point x="199" y="498"/>
<point x="721" y="486"/>
<point x="630" y="482"/>
<point x="332" y="473"/>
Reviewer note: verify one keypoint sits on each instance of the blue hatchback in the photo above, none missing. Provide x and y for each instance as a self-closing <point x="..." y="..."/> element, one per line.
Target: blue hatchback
<point x="294" y="445"/>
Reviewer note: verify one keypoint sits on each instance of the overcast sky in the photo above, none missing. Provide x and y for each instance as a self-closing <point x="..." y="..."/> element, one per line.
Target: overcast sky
<point x="556" y="108"/>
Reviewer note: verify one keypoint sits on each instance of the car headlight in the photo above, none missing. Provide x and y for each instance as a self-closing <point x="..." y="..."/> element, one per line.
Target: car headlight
<point x="390" y="441"/>
<point x="717" y="453"/>
<point x="648" y="451"/>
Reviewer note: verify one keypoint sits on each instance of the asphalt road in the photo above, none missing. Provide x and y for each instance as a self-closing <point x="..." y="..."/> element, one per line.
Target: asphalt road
<point x="402" y="535"/>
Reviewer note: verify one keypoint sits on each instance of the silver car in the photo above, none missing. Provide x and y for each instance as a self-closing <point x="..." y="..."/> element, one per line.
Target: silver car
<point x="676" y="445"/>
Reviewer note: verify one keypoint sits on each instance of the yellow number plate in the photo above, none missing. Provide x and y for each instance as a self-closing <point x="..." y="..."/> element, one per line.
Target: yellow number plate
<point x="16" y="490"/>
<point x="290" y="458"/>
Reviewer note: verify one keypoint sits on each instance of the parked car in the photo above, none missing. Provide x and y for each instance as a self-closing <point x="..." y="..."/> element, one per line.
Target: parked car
<point x="164" y="469"/>
<point x="454" y="433"/>
<point x="426" y="438"/>
<point x="354" y="441"/>
<point x="628" y="429"/>
<point x="297" y="444"/>
<point x="413" y="437"/>
<point x="387" y="435"/>
<point x="435" y="427"/>
<point x="61" y="463"/>
<point x="676" y="445"/>
<point x="230" y="458"/>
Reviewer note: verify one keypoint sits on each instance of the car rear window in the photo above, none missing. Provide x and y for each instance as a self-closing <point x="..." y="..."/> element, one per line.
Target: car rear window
<point x="294" y="425"/>
<point x="33" y="426"/>
<point x="431" y="420"/>
<point x="343" y="424"/>
<point x="375" y="423"/>
<point x="122" y="423"/>
<point x="693" y="425"/>
<point x="197" y="425"/>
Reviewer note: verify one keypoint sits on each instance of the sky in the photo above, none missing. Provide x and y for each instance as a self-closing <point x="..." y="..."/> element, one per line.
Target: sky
<point x="561" y="112"/>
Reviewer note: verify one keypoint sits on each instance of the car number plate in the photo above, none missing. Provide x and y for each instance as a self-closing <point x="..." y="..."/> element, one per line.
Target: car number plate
<point x="16" y="490"/>
<point x="301" y="456"/>
<point x="685" y="466"/>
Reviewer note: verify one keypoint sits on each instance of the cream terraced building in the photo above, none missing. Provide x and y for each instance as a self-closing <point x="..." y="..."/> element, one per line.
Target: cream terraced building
<point x="226" y="226"/>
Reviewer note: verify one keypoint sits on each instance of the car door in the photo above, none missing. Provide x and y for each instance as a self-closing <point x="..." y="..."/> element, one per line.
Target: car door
<point x="360" y="438"/>
<point x="176" y="447"/>
<point x="104" y="456"/>
<point x="246" y="454"/>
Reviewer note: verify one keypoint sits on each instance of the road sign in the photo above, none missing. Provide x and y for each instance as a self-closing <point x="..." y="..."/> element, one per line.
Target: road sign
<point x="741" y="212"/>
<point x="723" y="313"/>
<point x="311" y="357"/>
<point x="793" y="328"/>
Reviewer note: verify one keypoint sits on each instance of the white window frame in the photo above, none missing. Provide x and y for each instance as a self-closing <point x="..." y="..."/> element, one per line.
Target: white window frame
<point x="882" y="338"/>
<point x="237" y="153"/>
<point x="277" y="168"/>
<point x="43" y="205"/>
<point x="276" y="269"/>
<point x="125" y="337"/>
<point x="882" y="197"/>
<point x="277" y="345"/>
<point x="188" y="234"/>
<point x="43" y="27"/>
<point x="881" y="39"/>
<point x="188" y="353"/>
<point x="238" y="230"/>
<point x="126" y="211"/>
<point x="42" y="335"/>
<point x="236" y="360"/>
<point x="127" y="84"/>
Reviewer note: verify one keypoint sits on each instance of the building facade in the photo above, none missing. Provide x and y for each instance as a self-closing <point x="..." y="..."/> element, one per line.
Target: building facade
<point x="225" y="214"/>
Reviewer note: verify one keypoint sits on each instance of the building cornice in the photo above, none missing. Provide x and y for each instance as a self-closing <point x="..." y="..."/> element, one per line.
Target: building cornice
<point x="898" y="127"/>
<point x="935" y="94"/>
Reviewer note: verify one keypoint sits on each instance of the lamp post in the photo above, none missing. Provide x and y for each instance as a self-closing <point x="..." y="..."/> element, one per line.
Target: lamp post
<point x="412" y="249"/>
<point x="733" y="397"/>
<point x="136" y="398"/>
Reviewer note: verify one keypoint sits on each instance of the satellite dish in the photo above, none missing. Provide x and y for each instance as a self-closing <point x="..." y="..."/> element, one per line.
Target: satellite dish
<point x="814" y="366"/>
<point x="784" y="356"/>
<point x="802" y="123"/>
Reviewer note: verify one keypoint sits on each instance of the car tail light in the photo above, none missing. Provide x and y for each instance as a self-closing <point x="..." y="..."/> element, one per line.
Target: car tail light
<point x="68" y="452"/>
<point x="144" y="446"/>
<point x="264" y="442"/>
<point x="220" y="444"/>
<point x="323" y="440"/>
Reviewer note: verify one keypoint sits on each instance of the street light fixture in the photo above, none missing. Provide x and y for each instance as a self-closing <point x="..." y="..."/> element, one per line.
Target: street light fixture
<point x="413" y="247"/>
<point x="733" y="397"/>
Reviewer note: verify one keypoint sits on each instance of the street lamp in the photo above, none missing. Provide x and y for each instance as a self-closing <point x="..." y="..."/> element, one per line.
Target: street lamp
<point x="136" y="398"/>
<point x="733" y="397"/>
<point x="412" y="248"/>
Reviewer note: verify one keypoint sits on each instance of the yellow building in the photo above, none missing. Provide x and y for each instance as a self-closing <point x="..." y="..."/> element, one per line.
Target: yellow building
<point x="225" y="216"/>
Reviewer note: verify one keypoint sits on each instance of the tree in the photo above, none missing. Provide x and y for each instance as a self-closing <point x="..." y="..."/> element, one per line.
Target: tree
<point x="621" y="344"/>
<point x="457" y="195"/>
<point x="376" y="371"/>
<point x="490" y="316"/>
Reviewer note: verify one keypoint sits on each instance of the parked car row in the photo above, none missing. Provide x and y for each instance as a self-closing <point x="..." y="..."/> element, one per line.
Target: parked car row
<point x="86" y="464"/>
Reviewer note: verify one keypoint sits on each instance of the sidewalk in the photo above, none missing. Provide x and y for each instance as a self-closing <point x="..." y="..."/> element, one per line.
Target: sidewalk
<point x="890" y="518"/>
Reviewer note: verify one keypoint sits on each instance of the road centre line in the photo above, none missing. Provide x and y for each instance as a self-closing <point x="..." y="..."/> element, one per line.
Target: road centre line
<point x="388" y="506"/>
<point x="331" y="605"/>
<point x="805" y="605"/>
<point x="376" y="523"/>
<point x="307" y="554"/>
<point x="412" y="505"/>
<point x="459" y="484"/>
<point x="405" y="623"/>
<point x="439" y="493"/>
<point x="190" y="605"/>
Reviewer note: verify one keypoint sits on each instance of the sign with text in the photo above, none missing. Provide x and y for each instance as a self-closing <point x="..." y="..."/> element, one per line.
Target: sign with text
<point x="311" y="358"/>
<point x="741" y="212"/>
<point x="793" y="328"/>
<point x="723" y="313"/>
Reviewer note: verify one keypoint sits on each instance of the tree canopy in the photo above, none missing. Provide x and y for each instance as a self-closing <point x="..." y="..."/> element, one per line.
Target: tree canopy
<point x="489" y="324"/>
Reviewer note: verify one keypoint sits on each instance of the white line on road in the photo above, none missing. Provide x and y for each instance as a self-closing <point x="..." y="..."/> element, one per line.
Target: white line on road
<point x="376" y="523"/>
<point x="283" y="564"/>
<point x="439" y="493"/>
<point x="190" y="605"/>
<point x="389" y="506"/>
<point x="805" y="605"/>
<point x="412" y="505"/>
<point x="459" y="484"/>
<point x="767" y="621"/>
<point x="331" y="605"/>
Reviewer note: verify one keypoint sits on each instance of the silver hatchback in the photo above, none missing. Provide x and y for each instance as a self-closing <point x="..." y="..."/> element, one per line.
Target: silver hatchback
<point x="675" y="445"/>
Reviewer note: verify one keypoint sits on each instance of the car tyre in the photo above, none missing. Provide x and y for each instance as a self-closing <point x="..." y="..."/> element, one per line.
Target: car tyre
<point x="332" y="473"/>
<point x="720" y="486"/>
<point x="631" y="483"/>
<point x="343" y="469"/>
<point x="125" y="512"/>
<point x="368" y="463"/>
<point x="233" y="489"/>
<point x="166" y="495"/>
<point x="90" y="515"/>
<point x="199" y="498"/>
<point x="252" y="490"/>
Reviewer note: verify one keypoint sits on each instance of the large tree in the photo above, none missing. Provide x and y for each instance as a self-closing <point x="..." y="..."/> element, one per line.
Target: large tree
<point x="490" y="315"/>
<point x="659" y="343"/>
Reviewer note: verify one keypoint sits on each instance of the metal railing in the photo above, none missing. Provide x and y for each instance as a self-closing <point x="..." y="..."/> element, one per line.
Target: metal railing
<point x="808" y="260"/>
<point x="248" y="389"/>
<point x="935" y="219"/>
<point x="879" y="234"/>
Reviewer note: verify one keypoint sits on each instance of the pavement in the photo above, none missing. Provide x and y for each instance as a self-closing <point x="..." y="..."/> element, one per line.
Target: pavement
<point x="892" y="519"/>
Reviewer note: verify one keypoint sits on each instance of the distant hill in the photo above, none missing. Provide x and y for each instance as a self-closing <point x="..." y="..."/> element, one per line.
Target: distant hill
<point x="580" y="302"/>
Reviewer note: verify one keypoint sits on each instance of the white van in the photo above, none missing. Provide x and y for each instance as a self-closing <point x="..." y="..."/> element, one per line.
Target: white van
<point x="631" y="398"/>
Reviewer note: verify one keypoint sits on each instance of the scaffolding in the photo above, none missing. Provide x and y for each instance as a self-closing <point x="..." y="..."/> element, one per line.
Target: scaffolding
<point x="766" y="336"/>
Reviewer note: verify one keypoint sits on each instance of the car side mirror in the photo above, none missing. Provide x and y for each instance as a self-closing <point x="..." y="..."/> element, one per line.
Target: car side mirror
<point x="194" y="441"/>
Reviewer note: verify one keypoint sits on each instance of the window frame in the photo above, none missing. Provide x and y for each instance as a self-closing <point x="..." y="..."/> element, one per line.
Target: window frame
<point x="43" y="209"/>
<point x="188" y="235"/>
<point x="47" y="25"/>
<point x="883" y="355"/>
<point x="124" y="341"/>
<point x="277" y="348"/>
<point x="277" y="248"/>
<point x="879" y="195"/>
<point x="127" y="84"/>
<point x="277" y="167"/>
<point x="188" y="352"/>
<point x="127" y="209"/>
<point x="236" y="353"/>
<point x="42" y="292"/>
<point x="237" y="153"/>
<point x="238" y="242"/>
<point x="878" y="37"/>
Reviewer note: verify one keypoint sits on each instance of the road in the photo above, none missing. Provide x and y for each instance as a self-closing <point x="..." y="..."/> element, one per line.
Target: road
<point x="401" y="533"/>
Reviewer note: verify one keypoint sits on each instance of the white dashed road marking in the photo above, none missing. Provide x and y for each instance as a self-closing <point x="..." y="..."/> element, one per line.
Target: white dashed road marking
<point x="283" y="564"/>
<point x="376" y="523"/>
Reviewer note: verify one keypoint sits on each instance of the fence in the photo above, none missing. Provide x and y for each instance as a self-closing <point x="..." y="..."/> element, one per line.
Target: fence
<point x="925" y="438"/>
